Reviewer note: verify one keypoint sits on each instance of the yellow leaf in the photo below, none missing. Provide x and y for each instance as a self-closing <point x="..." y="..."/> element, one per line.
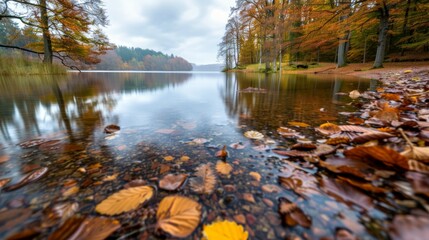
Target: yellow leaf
<point x="71" y="191"/>
<point x="329" y="129"/>
<point x="298" y="124"/>
<point x="178" y="215"/>
<point x="169" y="158"/>
<point x="110" y="178"/>
<point x="254" y="135"/>
<point x="225" y="230"/>
<point x="408" y="71"/>
<point x="124" y="200"/>
<point x="184" y="158"/>
<point x="256" y="176"/>
<point x="223" y="167"/>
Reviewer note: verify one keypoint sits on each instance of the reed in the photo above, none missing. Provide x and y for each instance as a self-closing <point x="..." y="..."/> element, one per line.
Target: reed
<point x="21" y="65"/>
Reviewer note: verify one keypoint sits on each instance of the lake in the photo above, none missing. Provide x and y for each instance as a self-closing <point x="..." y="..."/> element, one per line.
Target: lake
<point x="174" y="122"/>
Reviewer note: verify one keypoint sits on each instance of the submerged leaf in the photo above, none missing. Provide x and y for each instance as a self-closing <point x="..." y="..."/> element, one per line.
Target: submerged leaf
<point x="224" y="230"/>
<point x="204" y="181"/>
<point x="405" y="227"/>
<point x="94" y="228"/>
<point x="292" y="214"/>
<point x="111" y="128"/>
<point x="223" y="167"/>
<point x="346" y="193"/>
<point x="254" y="135"/>
<point x="124" y="200"/>
<point x="178" y="215"/>
<point x="354" y="94"/>
<point x="31" y="177"/>
<point x="172" y="182"/>
<point x="287" y="132"/>
<point x="328" y="129"/>
<point x="4" y="158"/>
<point x="4" y="181"/>
<point x="299" y="124"/>
<point x="58" y="213"/>
<point x="255" y="176"/>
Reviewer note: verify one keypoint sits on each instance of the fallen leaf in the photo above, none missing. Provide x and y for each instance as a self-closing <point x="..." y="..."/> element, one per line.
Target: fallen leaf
<point x="249" y="197"/>
<point x="4" y="181"/>
<point x="405" y="227"/>
<point x="366" y="137"/>
<point x="13" y="217"/>
<point x="168" y="158"/>
<point x="322" y="149"/>
<point x="304" y="146"/>
<point x="200" y="140"/>
<point x="184" y="158"/>
<point x="135" y="183"/>
<point x="172" y="182"/>
<point x="81" y="227"/>
<point x="418" y="166"/>
<point x="354" y="94"/>
<point x="112" y="128"/>
<point x="355" y="167"/>
<point x="383" y="154"/>
<point x="346" y="193"/>
<point x="226" y="230"/>
<point x="204" y="181"/>
<point x="29" y="178"/>
<point x="222" y="153"/>
<point x="71" y="191"/>
<point x="110" y="177"/>
<point x="408" y="71"/>
<point x="32" y="143"/>
<point x="337" y="140"/>
<point x="178" y="215"/>
<point x="124" y="200"/>
<point x="223" y="167"/>
<point x="299" y="124"/>
<point x="254" y="135"/>
<point x="255" y="176"/>
<point x="328" y="129"/>
<point x="413" y="152"/>
<point x="355" y="120"/>
<point x="364" y="185"/>
<point x="4" y="158"/>
<point x="300" y="182"/>
<point x="287" y="132"/>
<point x="292" y="215"/>
<point x="58" y="213"/>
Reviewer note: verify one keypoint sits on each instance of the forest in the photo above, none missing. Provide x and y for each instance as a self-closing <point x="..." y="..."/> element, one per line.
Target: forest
<point x="70" y="33"/>
<point x="341" y="31"/>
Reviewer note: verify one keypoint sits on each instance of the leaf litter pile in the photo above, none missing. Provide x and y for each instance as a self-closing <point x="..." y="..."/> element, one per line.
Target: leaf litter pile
<point x="363" y="177"/>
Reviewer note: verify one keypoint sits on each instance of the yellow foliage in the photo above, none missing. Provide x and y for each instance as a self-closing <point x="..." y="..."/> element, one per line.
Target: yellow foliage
<point x="225" y="230"/>
<point x="124" y="200"/>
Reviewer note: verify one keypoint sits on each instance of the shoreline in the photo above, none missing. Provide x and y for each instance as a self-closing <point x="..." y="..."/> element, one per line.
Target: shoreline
<point x="363" y="70"/>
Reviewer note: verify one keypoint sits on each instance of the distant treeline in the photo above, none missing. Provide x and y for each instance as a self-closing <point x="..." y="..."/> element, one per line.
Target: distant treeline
<point x="129" y="58"/>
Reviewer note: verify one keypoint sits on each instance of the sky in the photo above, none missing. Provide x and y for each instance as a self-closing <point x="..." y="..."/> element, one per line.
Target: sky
<point x="190" y="29"/>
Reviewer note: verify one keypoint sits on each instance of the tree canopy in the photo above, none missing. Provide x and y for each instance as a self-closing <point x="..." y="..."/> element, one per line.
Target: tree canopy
<point x="271" y="31"/>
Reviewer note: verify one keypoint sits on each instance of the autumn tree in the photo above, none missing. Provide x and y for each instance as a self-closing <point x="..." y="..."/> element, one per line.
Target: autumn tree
<point x="67" y="29"/>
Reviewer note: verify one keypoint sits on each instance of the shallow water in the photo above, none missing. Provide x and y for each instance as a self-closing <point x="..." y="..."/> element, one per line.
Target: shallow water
<point x="174" y="114"/>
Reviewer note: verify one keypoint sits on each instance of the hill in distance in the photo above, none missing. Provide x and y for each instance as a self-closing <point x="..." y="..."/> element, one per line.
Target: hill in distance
<point x="208" y="67"/>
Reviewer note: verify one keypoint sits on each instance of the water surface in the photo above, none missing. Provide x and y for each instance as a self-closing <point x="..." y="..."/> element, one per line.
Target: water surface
<point x="173" y="114"/>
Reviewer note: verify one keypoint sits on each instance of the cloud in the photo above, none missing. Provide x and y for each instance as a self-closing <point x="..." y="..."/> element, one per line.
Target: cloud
<point x="188" y="28"/>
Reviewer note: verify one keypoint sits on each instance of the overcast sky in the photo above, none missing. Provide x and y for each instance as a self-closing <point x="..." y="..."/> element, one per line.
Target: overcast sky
<point x="187" y="28"/>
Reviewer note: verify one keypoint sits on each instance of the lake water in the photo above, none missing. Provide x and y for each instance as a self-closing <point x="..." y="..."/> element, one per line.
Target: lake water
<point x="58" y="122"/>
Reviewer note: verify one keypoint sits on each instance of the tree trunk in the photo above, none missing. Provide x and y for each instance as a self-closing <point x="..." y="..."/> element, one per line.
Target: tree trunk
<point x="47" y="43"/>
<point x="341" y="54"/>
<point x="382" y="38"/>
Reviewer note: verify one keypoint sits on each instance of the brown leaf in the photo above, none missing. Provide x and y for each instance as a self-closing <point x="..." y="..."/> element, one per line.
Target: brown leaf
<point x="204" y="181"/>
<point x="135" y="183"/>
<point x="418" y="166"/>
<point x="178" y="215"/>
<point x="124" y="200"/>
<point x="304" y="146"/>
<point x="300" y="182"/>
<point x="406" y="227"/>
<point x="70" y="191"/>
<point x="4" y="181"/>
<point x="222" y="153"/>
<point x="364" y="185"/>
<point x="255" y="176"/>
<point x="223" y="167"/>
<point x="338" y="140"/>
<point x="378" y="153"/>
<point x="358" y="168"/>
<point x="29" y="178"/>
<point x="80" y="227"/>
<point x="271" y="188"/>
<point x="292" y="214"/>
<point x="237" y="146"/>
<point x="366" y="137"/>
<point x="32" y="143"/>
<point x="58" y="213"/>
<point x="111" y="128"/>
<point x="13" y="217"/>
<point x="352" y="128"/>
<point x="4" y="158"/>
<point x="172" y="182"/>
<point x="355" y="120"/>
<point x="287" y="132"/>
<point x="322" y="149"/>
<point x="346" y="193"/>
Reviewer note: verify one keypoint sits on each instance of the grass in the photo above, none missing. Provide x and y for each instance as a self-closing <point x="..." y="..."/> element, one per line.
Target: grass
<point x="21" y="65"/>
